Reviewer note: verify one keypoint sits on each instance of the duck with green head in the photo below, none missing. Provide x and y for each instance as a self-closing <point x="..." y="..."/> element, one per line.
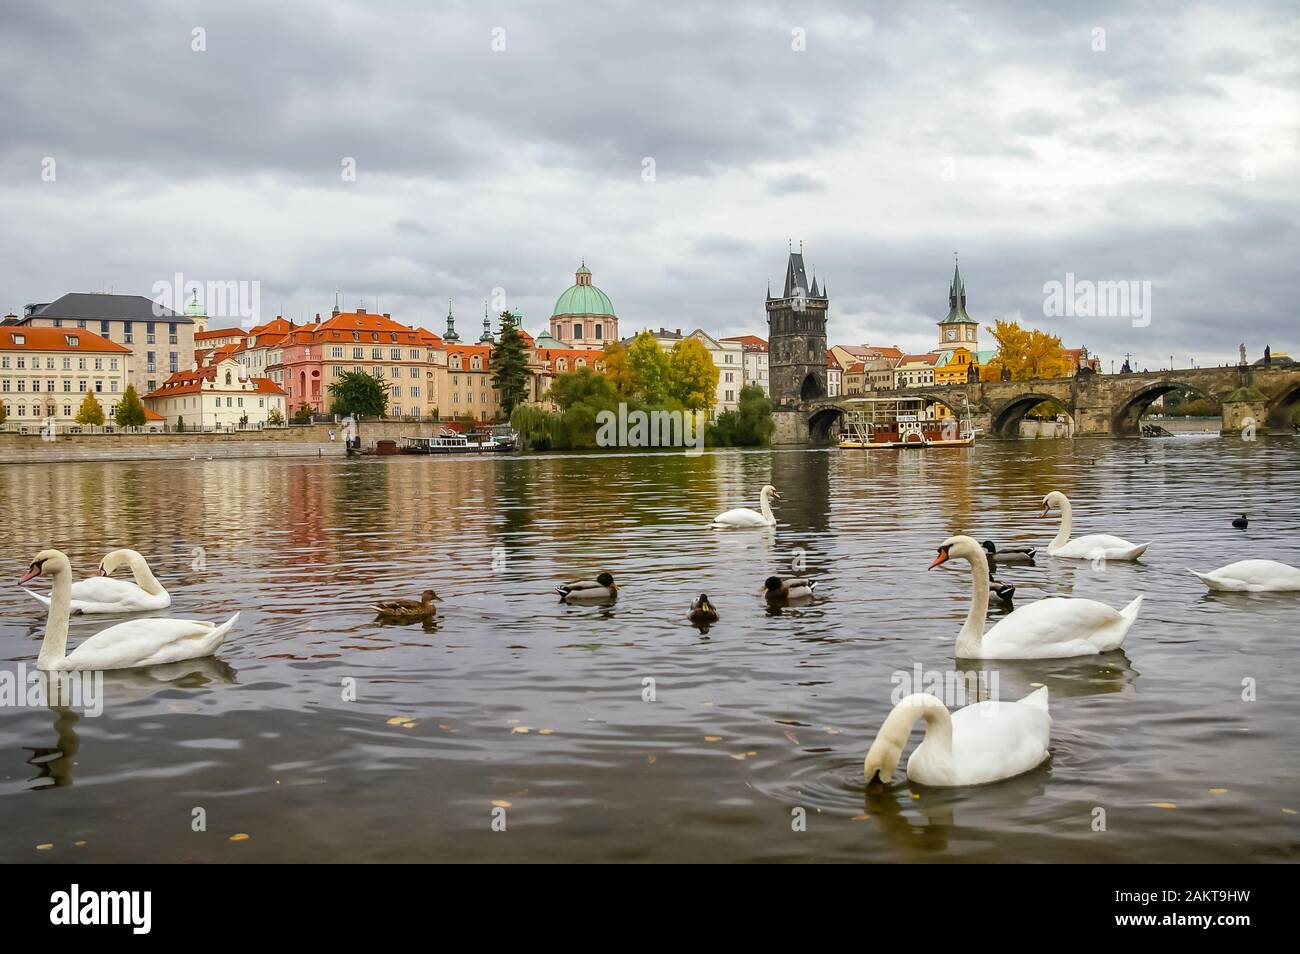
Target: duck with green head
<point x="781" y="592"/>
<point x="601" y="589"/>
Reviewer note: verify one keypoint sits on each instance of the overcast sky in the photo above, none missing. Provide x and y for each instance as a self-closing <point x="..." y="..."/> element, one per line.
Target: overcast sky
<point x="498" y="144"/>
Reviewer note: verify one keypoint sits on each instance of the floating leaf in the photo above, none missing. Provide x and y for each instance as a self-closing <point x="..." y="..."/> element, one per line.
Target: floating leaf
<point x="652" y="759"/>
<point x="240" y="836"/>
<point x="860" y="818"/>
<point x="794" y="739"/>
<point x="45" y="847"/>
<point x="79" y="844"/>
<point x="501" y="803"/>
<point x="739" y="756"/>
<point x="713" y="738"/>
<point x="1161" y="805"/>
<point x="520" y="730"/>
<point x="546" y="732"/>
<point x="1218" y="791"/>
<point x="1288" y="811"/>
<point x="401" y="720"/>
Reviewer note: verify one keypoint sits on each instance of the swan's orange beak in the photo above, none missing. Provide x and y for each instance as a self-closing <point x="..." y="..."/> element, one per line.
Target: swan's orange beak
<point x="1047" y="508"/>
<point x="941" y="558"/>
<point x="32" y="573"/>
<point x="776" y="494"/>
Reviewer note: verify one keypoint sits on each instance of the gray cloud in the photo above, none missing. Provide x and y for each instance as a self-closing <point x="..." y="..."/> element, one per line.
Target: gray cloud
<point x="894" y="139"/>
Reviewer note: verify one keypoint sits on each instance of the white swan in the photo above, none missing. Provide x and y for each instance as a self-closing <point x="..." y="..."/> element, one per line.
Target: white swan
<point x="137" y="642"/>
<point x="744" y="517"/>
<point x="1092" y="547"/>
<point x="984" y="742"/>
<point x="1053" y="628"/>
<point x="103" y="594"/>
<point x="1252" y="576"/>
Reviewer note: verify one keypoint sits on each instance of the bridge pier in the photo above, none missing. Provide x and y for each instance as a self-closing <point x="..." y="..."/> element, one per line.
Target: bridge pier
<point x="791" y="428"/>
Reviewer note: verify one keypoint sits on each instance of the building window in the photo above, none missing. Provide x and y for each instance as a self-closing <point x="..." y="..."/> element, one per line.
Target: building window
<point x="577" y="331"/>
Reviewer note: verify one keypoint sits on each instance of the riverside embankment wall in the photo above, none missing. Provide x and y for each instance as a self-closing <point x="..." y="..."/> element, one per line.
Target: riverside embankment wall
<point x="296" y="440"/>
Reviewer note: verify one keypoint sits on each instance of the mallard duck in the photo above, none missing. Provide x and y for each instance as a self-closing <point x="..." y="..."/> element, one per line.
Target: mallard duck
<point x="702" y="612"/>
<point x="1241" y="523"/>
<point x="781" y="591"/>
<point x="602" y="587"/>
<point x="1003" y="591"/>
<point x="1010" y="554"/>
<point x="409" y="609"/>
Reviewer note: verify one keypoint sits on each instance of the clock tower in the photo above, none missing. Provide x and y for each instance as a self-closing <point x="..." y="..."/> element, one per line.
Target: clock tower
<point x="958" y="330"/>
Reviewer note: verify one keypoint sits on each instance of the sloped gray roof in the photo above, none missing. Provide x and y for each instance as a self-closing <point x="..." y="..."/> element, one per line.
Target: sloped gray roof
<point x="90" y="305"/>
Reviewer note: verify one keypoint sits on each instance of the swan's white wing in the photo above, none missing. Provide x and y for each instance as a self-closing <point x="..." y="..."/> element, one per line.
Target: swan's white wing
<point x="741" y="517"/>
<point x="103" y="589"/>
<point x="1101" y="544"/>
<point x="148" y="642"/>
<point x="1252" y="575"/>
<point x="1056" y="627"/>
<point x="996" y="740"/>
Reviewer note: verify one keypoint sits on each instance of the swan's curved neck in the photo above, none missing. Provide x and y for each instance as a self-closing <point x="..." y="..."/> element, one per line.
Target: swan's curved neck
<point x="144" y="577"/>
<point x="1063" y="534"/>
<point x="938" y="726"/>
<point x="972" y="632"/>
<point x="55" y="645"/>
<point x="765" y="506"/>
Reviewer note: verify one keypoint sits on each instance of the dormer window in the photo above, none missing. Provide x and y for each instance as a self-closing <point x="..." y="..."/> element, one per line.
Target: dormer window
<point x="72" y="340"/>
<point x="20" y="339"/>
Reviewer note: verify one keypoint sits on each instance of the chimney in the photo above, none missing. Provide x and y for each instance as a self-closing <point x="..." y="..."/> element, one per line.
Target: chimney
<point x="361" y="311"/>
<point x="679" y="332"/>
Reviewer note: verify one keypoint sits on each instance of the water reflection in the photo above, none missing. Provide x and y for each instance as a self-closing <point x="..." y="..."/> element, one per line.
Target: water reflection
<point x="303" y="548"/>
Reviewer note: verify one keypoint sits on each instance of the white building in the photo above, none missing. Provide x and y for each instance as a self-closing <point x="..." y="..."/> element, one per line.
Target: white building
<point x="46" y="372"/>
<point x="755" y="349"/>
<point x="217" y="396"/>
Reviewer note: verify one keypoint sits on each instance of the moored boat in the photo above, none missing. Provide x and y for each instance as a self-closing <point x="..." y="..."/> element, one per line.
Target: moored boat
<point x="901" y="422"/>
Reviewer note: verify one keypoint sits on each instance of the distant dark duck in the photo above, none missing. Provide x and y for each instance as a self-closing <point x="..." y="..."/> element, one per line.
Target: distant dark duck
<point x="1003" y="591"/>
<point x="702" y="612"/>
<point x="602" y="588"/>
<point x="1241" y="523"/>
<point x="782" y="592"/>
<point x="1009" y="554"/>
<point x="409" y="609"/>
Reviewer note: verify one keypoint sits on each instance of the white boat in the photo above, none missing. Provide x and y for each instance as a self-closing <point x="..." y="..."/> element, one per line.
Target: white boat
<point x="900" y="422"/>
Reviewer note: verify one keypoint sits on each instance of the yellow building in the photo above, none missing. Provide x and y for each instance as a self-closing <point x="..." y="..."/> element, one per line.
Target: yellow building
<point x="954" y="366"/>
<point x="47" y="372"/>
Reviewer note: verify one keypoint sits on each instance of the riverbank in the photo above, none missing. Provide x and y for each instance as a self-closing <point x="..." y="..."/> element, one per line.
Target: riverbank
<point x="293" y="440"/>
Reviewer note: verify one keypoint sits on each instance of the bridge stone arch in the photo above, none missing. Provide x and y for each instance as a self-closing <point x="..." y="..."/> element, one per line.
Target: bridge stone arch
<point x="822" y="418"/>
<point x="1126" y="420"/>
<point x="1283" y="407"/>
<point x="1004" y="421"/>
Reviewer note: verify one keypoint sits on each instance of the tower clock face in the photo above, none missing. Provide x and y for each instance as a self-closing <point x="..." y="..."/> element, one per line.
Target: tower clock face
<point x="952" y="334"/>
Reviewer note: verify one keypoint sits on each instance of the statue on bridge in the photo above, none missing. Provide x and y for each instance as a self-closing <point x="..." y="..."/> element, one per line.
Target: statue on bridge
<point x="1241" y="354"/>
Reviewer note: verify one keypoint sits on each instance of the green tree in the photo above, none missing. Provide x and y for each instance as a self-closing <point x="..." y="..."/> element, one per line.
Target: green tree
<point x="618" y="368"/>
<point x="302" y="415"/>
<point x="649" y="367"/>
<point x="91" y="411"/>
<point x="510" y="364"/>
<point x="692" y="377"/>
<point x="359" y="394"/>
<point x="180" y="423"/>
<point x="583" y="386"/>
<point x="749" y="426"/>
<point x="130" y="411"/>
<point x="275" y="418"/>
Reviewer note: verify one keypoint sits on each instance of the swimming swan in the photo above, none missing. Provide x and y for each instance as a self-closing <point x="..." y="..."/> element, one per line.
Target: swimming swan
<point x="1053" y="628"/>
<point x="744" y="517"/>
<point x="984" y="742"/>
<point x="1092" y="547"/>
<point x="137" y="642"/>
<point x="1252" y="576"/>
<point x="103" y="594"/>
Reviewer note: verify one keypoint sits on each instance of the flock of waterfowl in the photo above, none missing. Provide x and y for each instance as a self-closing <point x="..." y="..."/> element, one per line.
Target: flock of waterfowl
<point x="980" y="743"/>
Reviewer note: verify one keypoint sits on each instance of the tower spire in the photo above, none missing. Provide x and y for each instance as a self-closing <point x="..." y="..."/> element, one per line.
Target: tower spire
<point x="451" y="325"/>
<point x="486" y="337"/>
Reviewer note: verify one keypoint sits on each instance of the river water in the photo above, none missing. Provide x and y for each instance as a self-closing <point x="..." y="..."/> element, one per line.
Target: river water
<point x="623" y="734"/>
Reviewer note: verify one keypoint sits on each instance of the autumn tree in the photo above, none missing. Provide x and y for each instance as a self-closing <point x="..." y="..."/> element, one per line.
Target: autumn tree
<point x="692" y="376"/>
<point x="1027" y="353"/>
<point x="91" y="411"/>
<point x="618" y="368"/>
<point x="649" y="366"/>
<point x="130" y="410"/>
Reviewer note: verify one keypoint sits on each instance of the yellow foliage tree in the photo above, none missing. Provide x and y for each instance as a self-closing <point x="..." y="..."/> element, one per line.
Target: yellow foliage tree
<point x="1026" y="353"/>
<point x="91" y="411"/>
<point x="618" y="368"/>
<point x="692" y="375"/>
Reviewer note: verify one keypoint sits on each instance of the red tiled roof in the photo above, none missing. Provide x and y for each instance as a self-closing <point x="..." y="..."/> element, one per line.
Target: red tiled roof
<point x="31" y="338"/>
<point x="749" y="341"/>
<point x="192" y="381"/>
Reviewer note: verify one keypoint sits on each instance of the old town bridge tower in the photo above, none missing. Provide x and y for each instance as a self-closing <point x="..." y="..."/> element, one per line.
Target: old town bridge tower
<point x="796" y="331"/>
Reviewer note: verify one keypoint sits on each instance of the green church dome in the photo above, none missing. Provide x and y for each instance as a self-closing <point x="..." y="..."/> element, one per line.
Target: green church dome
<point x="583" y="298"/>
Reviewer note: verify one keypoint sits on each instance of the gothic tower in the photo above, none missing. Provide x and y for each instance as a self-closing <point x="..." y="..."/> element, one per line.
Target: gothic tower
<point x="796" y="331"/>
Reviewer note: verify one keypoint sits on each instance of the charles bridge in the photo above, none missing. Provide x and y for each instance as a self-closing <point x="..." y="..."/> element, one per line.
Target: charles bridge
<point x="1102" y="405"/>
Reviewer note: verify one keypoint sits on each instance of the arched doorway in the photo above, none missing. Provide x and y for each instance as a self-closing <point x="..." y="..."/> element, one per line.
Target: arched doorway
<point x="812" y="388"/>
